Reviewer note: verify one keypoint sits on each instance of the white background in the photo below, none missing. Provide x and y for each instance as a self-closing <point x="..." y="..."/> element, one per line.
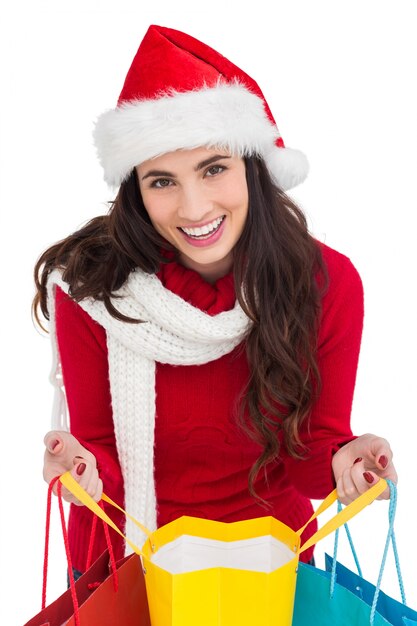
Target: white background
<point x="340" y="80"/>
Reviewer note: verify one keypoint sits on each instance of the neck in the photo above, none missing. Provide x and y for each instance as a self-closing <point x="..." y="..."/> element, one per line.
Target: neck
<point x="211" y="272"/>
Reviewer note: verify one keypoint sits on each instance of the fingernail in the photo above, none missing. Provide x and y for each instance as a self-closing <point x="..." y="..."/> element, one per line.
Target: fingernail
<point x="358" y="460"/>
<point x="80" y="468"/>
<point x="368" y="477"/>
<point x="53" y="445"/>
<point x="383" y="461"/>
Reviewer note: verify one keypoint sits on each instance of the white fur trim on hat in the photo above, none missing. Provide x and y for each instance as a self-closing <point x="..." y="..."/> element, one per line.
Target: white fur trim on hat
<point x="226" y="116"/>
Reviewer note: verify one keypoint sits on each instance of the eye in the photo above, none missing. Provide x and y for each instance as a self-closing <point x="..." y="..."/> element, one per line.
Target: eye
<point x="215" y="169"/>
<point x="161" y="183"/>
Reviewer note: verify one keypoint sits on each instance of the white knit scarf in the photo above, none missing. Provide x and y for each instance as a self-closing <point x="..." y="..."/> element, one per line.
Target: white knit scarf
<point x="173" y="332"/>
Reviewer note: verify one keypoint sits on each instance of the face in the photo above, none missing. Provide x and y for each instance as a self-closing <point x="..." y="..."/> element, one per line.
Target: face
<point x="198" y="201"/>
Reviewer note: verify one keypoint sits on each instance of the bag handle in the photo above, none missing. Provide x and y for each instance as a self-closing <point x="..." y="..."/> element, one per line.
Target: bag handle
<point x="67" y="551"/>
<point x="71" y="484"/>
<point x="389" y="540"/>
<point x="342" y="516"/>
<point x="338" y="520"/>
<point x="109" y="548"/>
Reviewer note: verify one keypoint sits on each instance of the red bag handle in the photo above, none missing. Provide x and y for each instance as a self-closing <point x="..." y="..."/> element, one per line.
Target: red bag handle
<point x="67" y="550"/>
<point x="109" y="547"/>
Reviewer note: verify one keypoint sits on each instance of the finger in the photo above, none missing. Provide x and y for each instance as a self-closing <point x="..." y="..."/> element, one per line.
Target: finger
<point x="63" y="446"/>
<point x="383" y="459"/>
<point x="58" y="454"/>
<point x="54" y="466"/>
<point x="99" y="491"/>
<point x="53" y="441"/>
<point x="85" y="457"/>
<point x="87" y="477"/>
<point x="347" y="490"/>
<point x="361" y="480"/>
<point x="382" y="467"/>
<point x="355" y="481"/>
<point x="382" y="453"/>
<point x="66" y="495"/>
<point x="388" y="474"/>
<point x="371" y="478"/>
<point x="83" y="472"/>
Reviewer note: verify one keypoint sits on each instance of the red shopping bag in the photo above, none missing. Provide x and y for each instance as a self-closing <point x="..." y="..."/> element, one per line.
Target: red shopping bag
<point x="98" y="603"/>
<point x="109" y="593"/>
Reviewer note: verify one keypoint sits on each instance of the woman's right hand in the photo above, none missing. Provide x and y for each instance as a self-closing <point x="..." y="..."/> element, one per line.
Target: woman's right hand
<point x="64" y="452"/>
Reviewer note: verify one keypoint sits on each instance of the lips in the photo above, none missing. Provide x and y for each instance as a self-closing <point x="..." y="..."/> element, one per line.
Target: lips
<point x="204" y="239"/>
<point x="203" y="232"/>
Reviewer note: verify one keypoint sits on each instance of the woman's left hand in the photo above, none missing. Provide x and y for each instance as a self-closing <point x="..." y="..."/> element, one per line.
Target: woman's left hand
<point x="359" y="464"/>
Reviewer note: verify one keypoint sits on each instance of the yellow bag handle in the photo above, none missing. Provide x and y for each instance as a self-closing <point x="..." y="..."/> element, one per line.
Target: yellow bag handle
<point x="343" y="516"/>
<point x="338" y="520"/>
<point x="71" y="484"/>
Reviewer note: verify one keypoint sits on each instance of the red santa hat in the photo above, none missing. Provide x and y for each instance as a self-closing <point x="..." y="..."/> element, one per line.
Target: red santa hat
<point x="181" y="94"/>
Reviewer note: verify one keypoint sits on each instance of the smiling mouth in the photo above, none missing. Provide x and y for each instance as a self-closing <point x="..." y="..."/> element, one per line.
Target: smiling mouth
<point x="203" y="232"/>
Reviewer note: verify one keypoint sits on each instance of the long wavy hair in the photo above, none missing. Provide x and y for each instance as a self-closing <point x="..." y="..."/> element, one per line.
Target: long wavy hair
<point x="279" y="279"/>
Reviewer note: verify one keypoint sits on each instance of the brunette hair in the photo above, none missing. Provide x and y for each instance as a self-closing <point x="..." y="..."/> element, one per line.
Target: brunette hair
<point x="279" y="278"/>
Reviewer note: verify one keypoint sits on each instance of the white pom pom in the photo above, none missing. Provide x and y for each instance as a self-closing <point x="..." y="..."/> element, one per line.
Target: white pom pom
<point x="288" y="167"/>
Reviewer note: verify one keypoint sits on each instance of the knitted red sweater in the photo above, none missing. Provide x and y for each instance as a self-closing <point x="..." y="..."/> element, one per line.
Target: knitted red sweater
<point x="201" y="457"/>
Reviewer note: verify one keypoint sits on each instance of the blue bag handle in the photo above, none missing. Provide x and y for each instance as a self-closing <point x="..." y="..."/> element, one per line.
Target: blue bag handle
<point x="389" y="540"/>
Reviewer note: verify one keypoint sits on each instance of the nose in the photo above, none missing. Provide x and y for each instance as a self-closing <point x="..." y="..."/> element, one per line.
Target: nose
<point x="194" y="204"/>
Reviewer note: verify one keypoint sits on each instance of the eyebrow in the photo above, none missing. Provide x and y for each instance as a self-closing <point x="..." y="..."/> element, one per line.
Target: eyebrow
<point x="198" y="167"/>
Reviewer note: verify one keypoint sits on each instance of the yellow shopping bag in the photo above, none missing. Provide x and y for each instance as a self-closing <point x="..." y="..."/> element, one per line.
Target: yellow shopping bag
<point x="204" y="573"/>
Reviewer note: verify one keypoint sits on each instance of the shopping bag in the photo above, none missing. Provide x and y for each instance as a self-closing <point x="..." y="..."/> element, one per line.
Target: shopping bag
<point x="395" y="612"/>
<point x="314" y="604"/>
<point x="109" y="593"/>
<point x="208" y="573"/>
<point x="99" y="604"/>
<point x="339" y="597"/>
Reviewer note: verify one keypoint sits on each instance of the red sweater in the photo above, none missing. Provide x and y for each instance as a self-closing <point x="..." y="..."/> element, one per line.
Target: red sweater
<point x="201" y="457"/>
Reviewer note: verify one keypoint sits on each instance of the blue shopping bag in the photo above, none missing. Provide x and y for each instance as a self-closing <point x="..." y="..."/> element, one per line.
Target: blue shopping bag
<point x="315" y="606"/>
<point x="395" y="612"/>
<point x="339" y="597"/>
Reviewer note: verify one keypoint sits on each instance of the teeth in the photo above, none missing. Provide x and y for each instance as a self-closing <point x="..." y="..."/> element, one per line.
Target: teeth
<point x="204" y="230"/>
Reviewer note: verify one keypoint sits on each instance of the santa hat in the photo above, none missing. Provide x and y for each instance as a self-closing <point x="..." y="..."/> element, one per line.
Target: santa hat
<point x="181" y="94"/>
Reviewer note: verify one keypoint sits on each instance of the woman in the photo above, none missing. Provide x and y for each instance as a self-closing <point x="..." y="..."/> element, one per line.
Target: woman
<point x="209" y="345"/>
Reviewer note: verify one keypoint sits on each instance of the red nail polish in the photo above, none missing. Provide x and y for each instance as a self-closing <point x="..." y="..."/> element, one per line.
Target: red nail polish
<point x="383" y="461"/>
<point x="80" y="468"/>
<point x="368" y="477"/>
<point x="358" y="460"/>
